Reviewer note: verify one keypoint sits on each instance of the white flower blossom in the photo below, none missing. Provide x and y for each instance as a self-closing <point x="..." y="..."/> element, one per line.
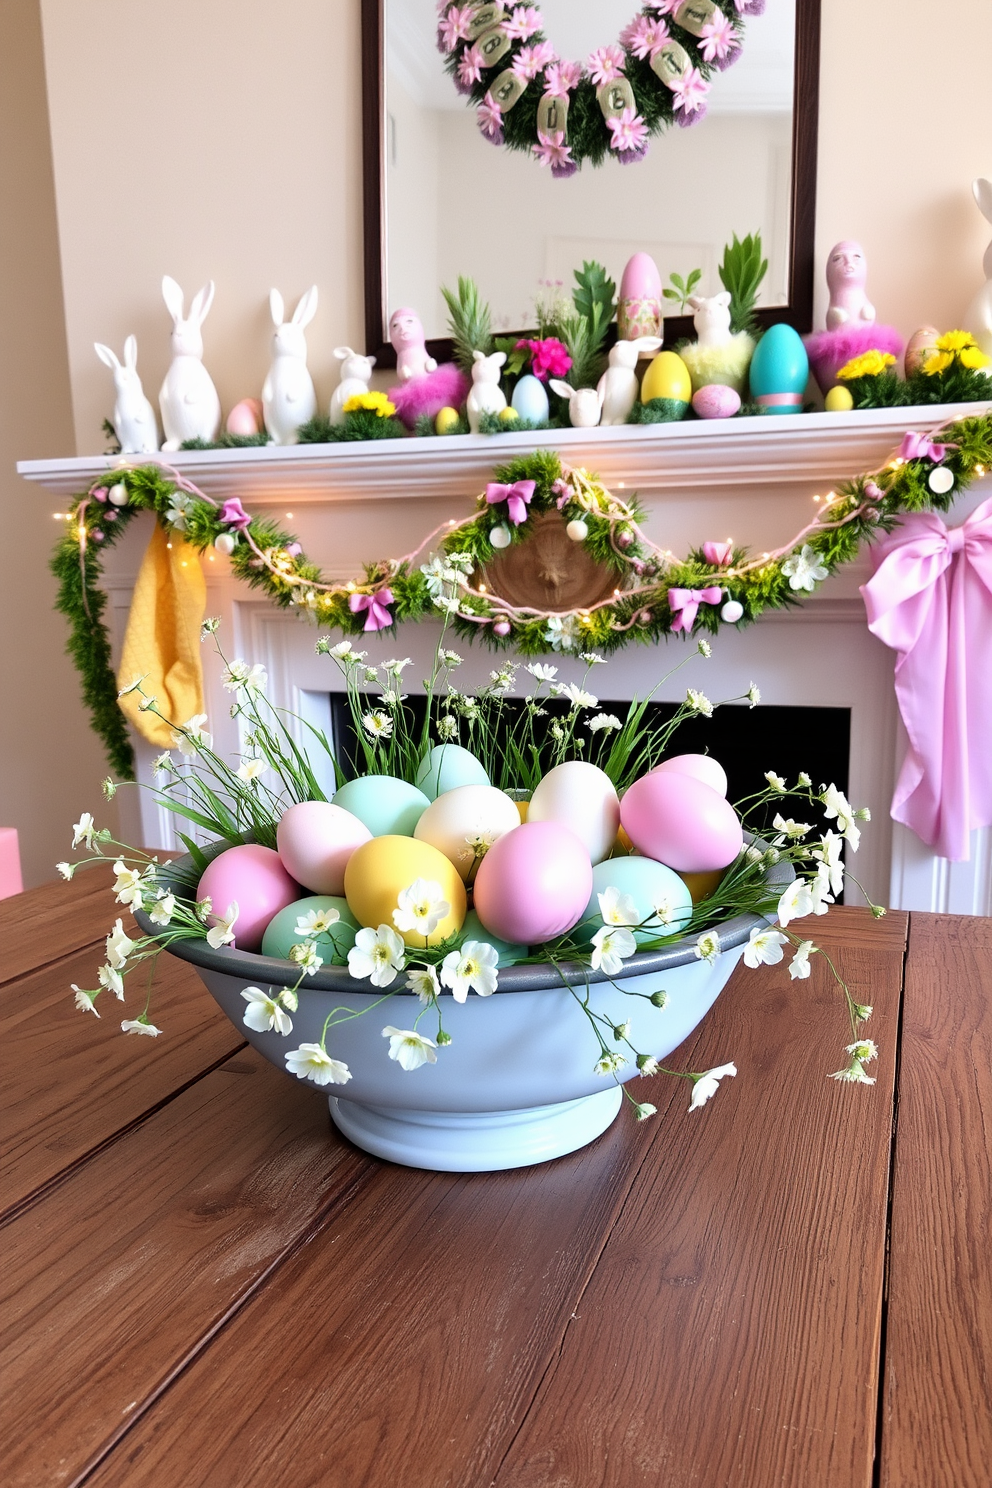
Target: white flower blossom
<point x="65" y="869"/>
<point x="377" y="954"/>
<point x="799" y="967"/>
<point x="163" y="909"/>
<point x="472" y="968"/>
<point x="311" y="1062"/>
<point x="409" y="1048"/>
<point x="562" y="633"/>
<point x="110" y="977"/>
<point x="776" y="782"/>
<point x="644" y="1109"/>
<point x="264" y="1013"/>
<point x="804" y="569"/>
<point x="647" y="1065"/>
<point x="109" y="789"/>
<point x="707" y="947"/>
<point x="603" y="721"/>
<point x="789" y="828"/>
<point x="84" y="831"/>
<point x="803" y="781"/>
<point x="250" y="769"/>
<point x="706" y="1085"/>
<point x="421" y="907"/>
<point x="221" y="933"/>
<point x="450" y="658"/>
<point x="541" y="672"/>
<point x="119" y="947"/>
<point x="829" y="853"/>
<point x="306" y="957"/>
<point x="394" y="667"/>
<point x="836" y="804"/>
<point x="447" y="728"/>
<point x="609" y="1063"/>
<point x="764" y="947"/>
<point x="162" y="765"/>
<point x="576" y="696"/>
<point x="611" y="946"/>
<point x="820" y="889"/>
<point x="704" y="648"/>
<point x="209" y="627"/>
<point x="84" y="1000"/>
<point x="193" y="737"/>
<point x="316" y="922"/>
<point x="140" y="1025"/>
<point x="592" y="658"/>
<point x="698" y="702"/>
<point x="423" y="981"/>
<point x="753" y="695"/>
<point x="131" y="687"/>
<point x="377" y="725"/>
<point x="238" y="675"/>
<point x="617" y="908"/>
<point x="127" y="886"/>
<point x="864" y="1050"/>
<point x="796" y="902"/>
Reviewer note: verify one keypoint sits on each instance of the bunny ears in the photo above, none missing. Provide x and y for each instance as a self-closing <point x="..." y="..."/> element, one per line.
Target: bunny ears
<point x="173" y="296"/>
<point x="109" y="357"/>
<point x="302" y="315"/>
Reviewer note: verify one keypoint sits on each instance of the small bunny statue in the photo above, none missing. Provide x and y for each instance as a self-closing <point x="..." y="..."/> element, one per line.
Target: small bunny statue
<point x="188" y="399"/>
<point x="585" y="405"/>
<point x="288" y="396"/>
<point x="134" y="416"/>
<point x="978" y="317"/>
<point x="355" y="373"/>
<point x="618" y="384"/>
<point x="486" y="395"/>
<point x="717" y="355"/>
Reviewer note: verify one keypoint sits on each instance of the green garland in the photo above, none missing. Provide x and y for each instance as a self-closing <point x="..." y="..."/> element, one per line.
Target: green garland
<point x="270" y="560"/>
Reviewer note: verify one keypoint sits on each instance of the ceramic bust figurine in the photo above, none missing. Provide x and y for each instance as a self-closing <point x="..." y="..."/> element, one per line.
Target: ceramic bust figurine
<point x="406" y="336"/>
<point x="847" y="275"/>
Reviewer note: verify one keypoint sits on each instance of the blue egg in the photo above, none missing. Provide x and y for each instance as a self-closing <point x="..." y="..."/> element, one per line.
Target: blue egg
<point x="333" y="944"/>
<point x="651" y="886"/>
<point x="779" y="371"/>
<point x="530" y="399"/>
<point x="445" y="768"/>
<point x="474" y="929"/>
<point x="388" y="807"/>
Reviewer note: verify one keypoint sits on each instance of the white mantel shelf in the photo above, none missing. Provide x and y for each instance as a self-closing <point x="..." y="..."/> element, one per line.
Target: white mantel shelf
<point x="761" y="451"/>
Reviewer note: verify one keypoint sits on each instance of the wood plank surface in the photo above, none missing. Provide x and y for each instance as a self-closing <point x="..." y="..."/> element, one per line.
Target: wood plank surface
<point x="729" y="1334"/>
<point x="937" y="1406"/>
<point x="729" y="1324"/>
<point x="41" y="925"/>
<point x="110" y="1282"/>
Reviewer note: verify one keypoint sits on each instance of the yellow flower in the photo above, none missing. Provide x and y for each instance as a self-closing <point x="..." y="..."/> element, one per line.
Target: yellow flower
<point x="376" y="403"/>
<point x="972" y="358"/>
<point x="955" y="340"/>
<point x="937" y="361"/>
<point x="869" y="364"/>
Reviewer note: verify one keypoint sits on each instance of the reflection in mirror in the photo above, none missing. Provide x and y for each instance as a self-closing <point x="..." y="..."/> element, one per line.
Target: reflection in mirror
<point x="455" y="204"/>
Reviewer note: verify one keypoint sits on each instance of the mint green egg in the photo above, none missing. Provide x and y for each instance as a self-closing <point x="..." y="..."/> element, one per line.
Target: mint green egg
<point x="649" y="884"/>
<point x="445" y="768"/>
<point x="333" y="944"/>
<point x="389" y="807"/>
<point x="474" y="929"/>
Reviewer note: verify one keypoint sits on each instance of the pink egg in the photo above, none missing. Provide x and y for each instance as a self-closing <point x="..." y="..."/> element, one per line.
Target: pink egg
<point x="246" y="417"/>
<point x="716" y="401"/>
<point x="533" y="884"/>
<point x="702" y="766"/>
<point x="253" y="878"/>
<point x="315" y="840"/>
<point x="681" y="822"/>
<point x="641" y="279"/>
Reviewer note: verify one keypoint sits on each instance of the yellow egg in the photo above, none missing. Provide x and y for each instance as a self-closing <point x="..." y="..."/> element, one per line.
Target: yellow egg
<point x="378" y="872"/>
<point x="508" y="415"/>
<point x="701" y="885"/>
<point x="667" y="377"/>
<point x="446" y="421"/>
<point x="839" y="400"/>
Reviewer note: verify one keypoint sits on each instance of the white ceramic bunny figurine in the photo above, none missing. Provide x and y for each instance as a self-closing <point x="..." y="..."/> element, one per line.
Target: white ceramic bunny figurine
<point x="288" y="396"/>
<point x="618" y="384"/>
<point x="978" y="317"/>
<point x="355" y="373"/>
<point x="585" y="405"/>
<point x="188" y="399"/>
<point x="134" y="416"/>
<point x="486" y="395"/>
<point x="711" y="318"/>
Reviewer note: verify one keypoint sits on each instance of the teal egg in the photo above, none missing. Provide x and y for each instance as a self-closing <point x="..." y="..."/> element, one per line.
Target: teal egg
<point x="779" y="371"/>
<point x="474" y="929"/>
<point x="649" y="884"/>
<point x="333" y="943"/>
<point x="388" y="807"/>
<point x="530" y="399"/>
<point x="444" y="768"/>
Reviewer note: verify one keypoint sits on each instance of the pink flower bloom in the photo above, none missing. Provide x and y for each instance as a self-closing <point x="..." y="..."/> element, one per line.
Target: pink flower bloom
<point x="454" y="27"/>
<point x="629" y="132"/>
<point x="470" y="66"/>
<point x="531" y="60"/>
<point x="561" y="77"/>
<point x="524" y="22"/>
<point x="717" y="39"/>
<point x="690" y="91"/>
<point x="549" y="356"/>
<point x="605" y="65"/>
<point x="644" y="37"/>
<point x="665" y="7"/>
<point x="552" y="150"/>
<point x="232" y="514"/>
<point x="490" y="117"/>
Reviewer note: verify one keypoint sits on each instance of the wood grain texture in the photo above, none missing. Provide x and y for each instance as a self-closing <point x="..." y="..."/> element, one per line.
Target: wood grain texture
<point x="43" y="924"/>
<point x="729" y="1334"/>
<point x="112" y="1281"/>
<point x="937" y="1406"/>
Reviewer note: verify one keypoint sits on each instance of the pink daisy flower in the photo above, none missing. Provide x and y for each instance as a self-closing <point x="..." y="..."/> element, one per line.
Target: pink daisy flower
<point x="690" y="91"/>
<point x="644" y="37"/>
<point x="524" y="22"/>
<point x="552" y="150"/>
<point x="531" y="60"/>
<point x="454" y="27"/>
<point x="629" y="132"/>
<point x="717" y="39"/>
<point x="490" y="117"/>
<point x="605" y="65"/>
<point x="470" y="66"/>
<point x="561" y="77"/>
<point x="666" y="7"/>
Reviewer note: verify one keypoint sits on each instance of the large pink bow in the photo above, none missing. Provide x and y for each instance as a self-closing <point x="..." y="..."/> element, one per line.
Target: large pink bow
<point x="378" y="617"/>
<point x="517" y="498"/>
<point x="930" y="598"/>
<point x="921" y="447"/>
<point x="684" y="603"/>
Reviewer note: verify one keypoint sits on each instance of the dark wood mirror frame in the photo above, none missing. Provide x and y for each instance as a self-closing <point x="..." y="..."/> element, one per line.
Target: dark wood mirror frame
<point x="798" y="312"/>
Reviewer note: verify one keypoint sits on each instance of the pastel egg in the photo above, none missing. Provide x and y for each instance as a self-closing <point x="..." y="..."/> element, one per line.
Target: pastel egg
<point x="839" y="400"/>
<point x="508" y="416"/>
<point x="533" y="884"/>
<point x="702" y="766"/>
<point x="333" y="944"/>
<point x="246" y="417"/>
<point x="702" y="885"/>
<point x="640" y="278"/>
<point x="446" y="421"/>
<point x="465" y="822"/>
<point x="583" y="798"/>
<point x="254" y="879"/>
<point x="662" y="902"/>
<point x="379" y="871"/>
<point x="779" y="371"/>
<point x="530" y="399"/>
<point x="716" y="401"/>
<point x="447" y="766"/>
<point x="667" y="377"/>
<point x="920" y="342"/>
<point x="315" y="839"/>
<point x="474" y="929"/>
<point x="385" y="805"/>
<point x="681" y="822"/>
<point x="639" y="302"/>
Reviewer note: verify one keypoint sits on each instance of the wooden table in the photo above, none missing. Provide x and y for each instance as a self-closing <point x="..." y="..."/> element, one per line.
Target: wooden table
<point x="203" y="1284"/>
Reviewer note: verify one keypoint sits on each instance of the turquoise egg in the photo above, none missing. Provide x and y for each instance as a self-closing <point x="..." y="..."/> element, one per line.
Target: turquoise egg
<point x="444" y="768"/>
<point x="388" y="807"/>
<point x="530" y="399"/>
<point x="779" y="371"/>
<point x="649" y="884"/>
<point x="474" y="929"/>
<point x="333" y="943"/>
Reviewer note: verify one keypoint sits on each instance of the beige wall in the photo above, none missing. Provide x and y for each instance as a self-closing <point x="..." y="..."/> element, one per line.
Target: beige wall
<point x="221" y="138"/>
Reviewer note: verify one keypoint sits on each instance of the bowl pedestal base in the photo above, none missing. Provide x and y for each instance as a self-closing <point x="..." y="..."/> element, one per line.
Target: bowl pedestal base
<point x="476" y="1141"/>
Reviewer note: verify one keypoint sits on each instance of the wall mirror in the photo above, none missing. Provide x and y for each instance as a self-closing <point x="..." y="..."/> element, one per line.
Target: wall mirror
<point x="440" y="200"/>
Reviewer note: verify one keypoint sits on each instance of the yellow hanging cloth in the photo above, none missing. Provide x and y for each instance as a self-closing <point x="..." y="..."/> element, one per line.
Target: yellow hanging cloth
<point x="162" y="642"/>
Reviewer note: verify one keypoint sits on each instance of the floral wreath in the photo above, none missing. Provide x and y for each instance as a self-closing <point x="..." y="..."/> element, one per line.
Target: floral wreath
<point x="656" y="594"/>
<point x="562" y="112"/>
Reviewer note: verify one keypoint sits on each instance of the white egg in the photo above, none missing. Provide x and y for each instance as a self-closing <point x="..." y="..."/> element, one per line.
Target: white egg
<point x="465" y="822"/>
<point x="581" y="797"/>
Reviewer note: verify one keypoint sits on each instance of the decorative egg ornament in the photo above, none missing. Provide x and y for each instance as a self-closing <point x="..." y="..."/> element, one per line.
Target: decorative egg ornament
<point x="840" y="399"/>
<point x="315" y="839"/>
<point x="246" y="417"/>
<point x="779" y="371"/>
<point x="465" y="822"/>
<point x="446" y="767"/>
<point x="387" y="806"/>
<point x="681" y="822"/>
<point x="920" y="342"/>
<point x="533" y="884"/>
<point x="530" y="400"/>
<point x="253" y="878"/>
<point x="333" y="944"/>
<point x="667" y="377"/>
<point x="716" y="401"/>
<point x="662" y="901"/>
<point x="508" y="416"/>
<point x="577" y="530"/>
<point x="732" y="611"/>
<point x="379" y="872"/>
<point x="941" y="480"/>
<point x="700" y="766"/>
<point x="583" y="798"/>
<point x="639" y="304"/>
<point x="446" y="421"/>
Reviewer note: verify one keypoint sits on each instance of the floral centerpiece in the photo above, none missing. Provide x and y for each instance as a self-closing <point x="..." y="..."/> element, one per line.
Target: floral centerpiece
<point x="536" y="845"/>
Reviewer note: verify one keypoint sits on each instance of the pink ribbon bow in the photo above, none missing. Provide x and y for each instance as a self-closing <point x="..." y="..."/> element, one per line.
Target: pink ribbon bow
<point x="233" y="514"/>
<point x="517" y="498"/>
<point x="685" y="602"/>
<point x="378" y="617"/>
<point x="921" y="447"/>
<point x="930" y="599"/>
